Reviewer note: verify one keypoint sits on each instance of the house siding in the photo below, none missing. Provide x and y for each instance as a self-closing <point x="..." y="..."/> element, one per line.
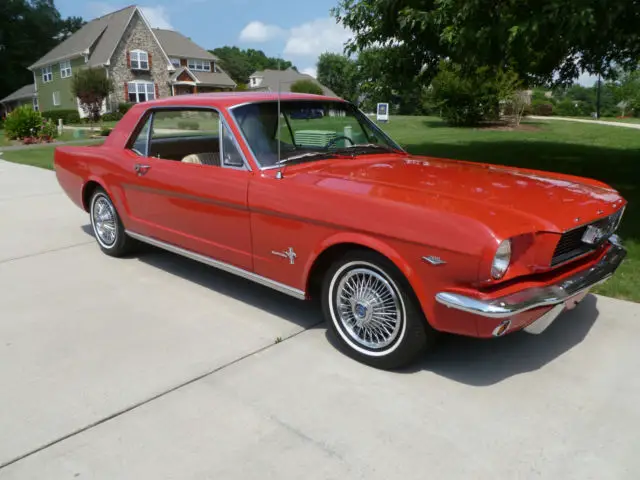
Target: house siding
<point x="138" y="36"/>
<point x="58" y="84"/>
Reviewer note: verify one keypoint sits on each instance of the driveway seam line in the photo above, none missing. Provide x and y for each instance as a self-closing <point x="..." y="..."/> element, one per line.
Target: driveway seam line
<point x="142" y="403"/>
<point x="59" y="249"/>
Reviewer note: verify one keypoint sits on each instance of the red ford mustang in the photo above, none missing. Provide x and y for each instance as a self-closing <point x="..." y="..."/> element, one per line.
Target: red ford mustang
<point x="308" y="196"/>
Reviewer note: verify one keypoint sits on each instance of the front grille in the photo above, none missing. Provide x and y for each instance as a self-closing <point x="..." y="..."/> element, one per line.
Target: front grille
<point x="571" y="245"/>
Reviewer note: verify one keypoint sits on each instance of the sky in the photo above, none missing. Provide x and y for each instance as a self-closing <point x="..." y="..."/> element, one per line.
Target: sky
<point x="296" y="30"/>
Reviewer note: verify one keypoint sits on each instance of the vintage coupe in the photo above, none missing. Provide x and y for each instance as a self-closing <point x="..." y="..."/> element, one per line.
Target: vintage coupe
<point x="306" y="195"/>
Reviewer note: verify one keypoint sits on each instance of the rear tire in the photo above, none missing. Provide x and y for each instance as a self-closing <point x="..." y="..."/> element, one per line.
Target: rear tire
<point x="373" y="313"/>
<point x="107" y="225"/>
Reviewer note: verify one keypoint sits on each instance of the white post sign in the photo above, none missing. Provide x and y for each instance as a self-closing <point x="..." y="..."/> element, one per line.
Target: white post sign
<point x="382" y="113"/>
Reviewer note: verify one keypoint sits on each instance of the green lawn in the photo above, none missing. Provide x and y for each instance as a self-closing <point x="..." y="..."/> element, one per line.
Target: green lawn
<point x="38" y="156"/>
<point x="606" y="153"/>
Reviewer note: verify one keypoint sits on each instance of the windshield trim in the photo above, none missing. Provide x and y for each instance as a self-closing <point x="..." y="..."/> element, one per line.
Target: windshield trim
<point x="357" y="112"/>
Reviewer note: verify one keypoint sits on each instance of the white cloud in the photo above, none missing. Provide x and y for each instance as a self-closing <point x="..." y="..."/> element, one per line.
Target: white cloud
<point x="260" y="32"/>
<point x="157" y="16"/>
<point x="318" y="36"/>
<point x="310" y="71"/>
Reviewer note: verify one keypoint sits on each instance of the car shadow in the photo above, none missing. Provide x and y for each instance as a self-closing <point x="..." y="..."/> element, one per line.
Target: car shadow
<point x="471" y="361"/>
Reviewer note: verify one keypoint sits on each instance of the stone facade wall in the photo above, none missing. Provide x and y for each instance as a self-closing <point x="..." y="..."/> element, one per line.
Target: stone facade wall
<point x="138" y="37"/>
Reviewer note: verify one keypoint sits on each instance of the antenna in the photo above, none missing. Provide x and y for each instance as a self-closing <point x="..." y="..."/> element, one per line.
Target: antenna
<point x="279" y="173"/>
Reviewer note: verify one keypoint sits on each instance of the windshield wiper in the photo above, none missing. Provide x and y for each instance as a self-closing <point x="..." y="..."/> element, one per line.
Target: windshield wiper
<point x="311" y="154"/>
<point x="370" y="145"/>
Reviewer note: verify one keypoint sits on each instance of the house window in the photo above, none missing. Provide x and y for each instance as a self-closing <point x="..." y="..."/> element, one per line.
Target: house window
<point x="199" y="65"/>
<point x="175" y="62"/>
<point x="56" y="99"/>
<point x="65" y="69"/>
<point x="47" y="74"/>
<point x="141" y="91"/>
<point x="139" y="60"/>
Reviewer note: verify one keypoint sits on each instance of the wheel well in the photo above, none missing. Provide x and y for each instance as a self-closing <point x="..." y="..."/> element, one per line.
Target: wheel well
<point x="324" y="261"/>
<point x="87" y="193"/>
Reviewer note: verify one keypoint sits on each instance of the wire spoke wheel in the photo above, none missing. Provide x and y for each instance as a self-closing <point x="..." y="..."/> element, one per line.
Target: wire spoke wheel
<point x="104" y="221"/>
<point x="368" y="308"/>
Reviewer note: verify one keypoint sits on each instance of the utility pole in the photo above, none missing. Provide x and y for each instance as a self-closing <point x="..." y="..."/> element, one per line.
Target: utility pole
<point x="598" y="97"/>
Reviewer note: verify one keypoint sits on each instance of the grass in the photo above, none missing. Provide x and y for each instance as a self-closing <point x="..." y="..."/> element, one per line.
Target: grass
<point x="606" y="153"/>
<point x="41" y="156"/>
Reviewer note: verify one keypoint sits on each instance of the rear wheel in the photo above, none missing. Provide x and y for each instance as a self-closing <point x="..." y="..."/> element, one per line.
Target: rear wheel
<point x="373" y="313"/>
<point x="107" y="226"/>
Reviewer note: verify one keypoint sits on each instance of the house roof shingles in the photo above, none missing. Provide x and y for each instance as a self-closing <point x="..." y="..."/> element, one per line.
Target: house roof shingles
<point x="270" y="79"/>
<point x="98" y="37"/>
<point x="177" y="45"/>
<point x="28" y="91"/>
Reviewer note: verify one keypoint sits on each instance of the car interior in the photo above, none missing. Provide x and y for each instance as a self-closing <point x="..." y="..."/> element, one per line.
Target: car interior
<point x="199" y="149"/>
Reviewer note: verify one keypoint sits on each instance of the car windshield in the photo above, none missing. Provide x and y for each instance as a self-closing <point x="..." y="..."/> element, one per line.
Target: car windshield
<point x="308" y="130"/>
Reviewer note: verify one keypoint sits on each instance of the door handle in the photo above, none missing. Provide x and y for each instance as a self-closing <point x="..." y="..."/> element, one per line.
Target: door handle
<point x="141" y="169"/>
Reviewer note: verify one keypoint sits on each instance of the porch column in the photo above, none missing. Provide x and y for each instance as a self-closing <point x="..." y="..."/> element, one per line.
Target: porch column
<point x="195" y="89"/>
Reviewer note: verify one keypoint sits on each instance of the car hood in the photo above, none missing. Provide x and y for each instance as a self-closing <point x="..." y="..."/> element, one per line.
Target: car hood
<point x="540" y="200"/>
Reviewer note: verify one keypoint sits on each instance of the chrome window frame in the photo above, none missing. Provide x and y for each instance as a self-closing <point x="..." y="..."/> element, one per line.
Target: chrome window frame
<point x="150" y="112"/>
<point x="367" y="120"/>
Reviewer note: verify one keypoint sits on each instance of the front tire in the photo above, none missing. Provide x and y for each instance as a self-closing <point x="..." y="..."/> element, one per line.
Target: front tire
<point x="107" y="225"/>
<point x="373" y="313"/>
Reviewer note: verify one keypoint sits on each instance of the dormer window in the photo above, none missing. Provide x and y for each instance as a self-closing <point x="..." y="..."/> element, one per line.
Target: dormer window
<point x="175" y="62"/>
<point x="199" y="65"/>
<point x="139" y="60"/>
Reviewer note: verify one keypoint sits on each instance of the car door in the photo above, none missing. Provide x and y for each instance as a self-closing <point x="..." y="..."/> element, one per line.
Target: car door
<point x="188" y="185"/>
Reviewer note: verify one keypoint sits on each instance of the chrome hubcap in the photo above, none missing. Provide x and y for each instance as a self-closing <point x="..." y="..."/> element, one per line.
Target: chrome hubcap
<point x="104" y="221"/>
<point x="369" y="308"/>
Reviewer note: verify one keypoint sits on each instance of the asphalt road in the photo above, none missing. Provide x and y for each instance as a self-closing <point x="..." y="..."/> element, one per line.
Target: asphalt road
<point x="155" y="367"/>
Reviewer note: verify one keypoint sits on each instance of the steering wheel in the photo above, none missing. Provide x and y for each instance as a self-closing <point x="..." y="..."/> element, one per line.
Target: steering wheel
<point x="332" y="142"/>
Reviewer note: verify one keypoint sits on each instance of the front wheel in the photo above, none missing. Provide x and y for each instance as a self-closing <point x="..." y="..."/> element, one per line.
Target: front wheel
<point x="107" y="226"/>
<point x="373" y="313"/>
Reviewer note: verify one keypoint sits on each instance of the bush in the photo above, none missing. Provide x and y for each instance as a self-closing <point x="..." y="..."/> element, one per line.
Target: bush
<point x="105" y="131"/>
<point x="124" y="107"/>
<point x="23" y="122"/>
<point x="112" y="117"/>
<point x="48" y="130"/>
<point x="306" y="86"/>
<point x="543" y="109"/>
<point x="67" y="116"/>
<point x="188" y="125"/>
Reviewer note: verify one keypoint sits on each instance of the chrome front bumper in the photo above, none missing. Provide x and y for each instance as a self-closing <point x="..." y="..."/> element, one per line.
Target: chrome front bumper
<point x="513" y="304"/>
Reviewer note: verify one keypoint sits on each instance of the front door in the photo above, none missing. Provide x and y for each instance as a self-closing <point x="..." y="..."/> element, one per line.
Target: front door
<point x="186" y="190"/>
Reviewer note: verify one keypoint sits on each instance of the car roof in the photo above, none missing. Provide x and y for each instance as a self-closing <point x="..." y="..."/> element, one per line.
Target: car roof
<point x="230" y="99"/>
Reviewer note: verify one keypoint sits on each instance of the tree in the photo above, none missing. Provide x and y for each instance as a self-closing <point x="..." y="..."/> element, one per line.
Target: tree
<point x="338" y="73"/>
<point x="92" y="87"/>
<point x="306" y="86"/>
<point x="28" y="30"/>
<point x="626" y="91"/>
<point x="545" y="41"/>
<point x="240" y="64"/>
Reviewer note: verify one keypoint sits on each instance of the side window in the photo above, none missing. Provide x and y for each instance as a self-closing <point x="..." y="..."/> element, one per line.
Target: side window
<point x="187" y="136"/>
<point x="231" y="156"/>
<point x="140" y="143"/>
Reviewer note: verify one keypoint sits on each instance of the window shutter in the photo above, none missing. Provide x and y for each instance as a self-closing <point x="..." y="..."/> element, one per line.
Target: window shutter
<point x="128" y="59"/>
<point x="126" y="91"/>
<point x="156" y="86"/>
<point x="150" y="64"/>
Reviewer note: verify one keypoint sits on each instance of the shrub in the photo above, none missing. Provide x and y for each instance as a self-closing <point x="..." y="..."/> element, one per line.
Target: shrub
<point x="67" y="116"/>
<point x="306" y="86"/>
<point x="188" y="125"/>
<point x="112" y="117"/>
<point x="124" y="107"/>
<point x="22" y="122"/>
<point x="543" y="108"/>
<point x="48" y="130"/>
<point x="105" y="131"/>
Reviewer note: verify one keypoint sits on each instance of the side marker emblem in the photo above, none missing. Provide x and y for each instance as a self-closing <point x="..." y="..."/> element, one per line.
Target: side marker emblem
<point x="290" y="254"/>
<point x="434" y="260"/>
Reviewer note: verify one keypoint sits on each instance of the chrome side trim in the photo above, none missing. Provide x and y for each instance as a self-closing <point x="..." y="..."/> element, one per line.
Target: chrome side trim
<point x="280" y="287"/>
<point x="519" y="302"/>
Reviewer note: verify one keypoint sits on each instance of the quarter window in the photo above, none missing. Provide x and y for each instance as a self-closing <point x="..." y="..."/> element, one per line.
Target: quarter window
<point x="141" y="91"/>
<point x="65" y="69"/>
<point x="47" y="74"/>
<point x="139" y="60"/>
<point x="199" y="65"/>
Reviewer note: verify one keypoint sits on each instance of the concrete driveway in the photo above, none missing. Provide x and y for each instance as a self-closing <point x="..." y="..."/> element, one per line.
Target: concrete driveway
<point x="155" y="367"/>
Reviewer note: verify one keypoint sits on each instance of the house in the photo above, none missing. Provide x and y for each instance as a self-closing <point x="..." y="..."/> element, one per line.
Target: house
<point x="23" y="96"/>
<point x="281" y="80"/>
<point x="143" y="63"/>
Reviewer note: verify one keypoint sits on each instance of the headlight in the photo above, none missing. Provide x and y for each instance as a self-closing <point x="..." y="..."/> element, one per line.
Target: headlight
<point x="501" y="260"/>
